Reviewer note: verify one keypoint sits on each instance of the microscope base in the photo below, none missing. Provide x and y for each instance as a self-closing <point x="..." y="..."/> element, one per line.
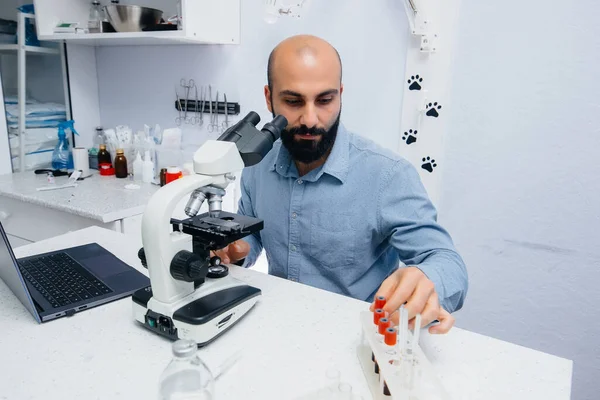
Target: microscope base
<point x="201" y="317"/>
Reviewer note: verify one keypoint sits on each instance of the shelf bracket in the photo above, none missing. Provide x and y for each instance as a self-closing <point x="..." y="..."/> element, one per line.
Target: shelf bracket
<point x="275" y="9"/>
<point x="421" y="25"/>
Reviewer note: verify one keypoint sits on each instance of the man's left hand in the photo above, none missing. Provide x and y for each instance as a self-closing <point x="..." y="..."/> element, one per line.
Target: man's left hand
<point x="411" y="286"/>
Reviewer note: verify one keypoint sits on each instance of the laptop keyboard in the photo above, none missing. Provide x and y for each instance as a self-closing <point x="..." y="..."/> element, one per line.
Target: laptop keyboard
<point x="61" y="280"/>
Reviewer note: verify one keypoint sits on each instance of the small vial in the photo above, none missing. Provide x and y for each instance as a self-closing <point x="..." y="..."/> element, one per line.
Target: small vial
<point x="377" y="315"/>
<point x="390" y="336"/>
<point x="384" y="323"/>
<point x="380" y="302"/>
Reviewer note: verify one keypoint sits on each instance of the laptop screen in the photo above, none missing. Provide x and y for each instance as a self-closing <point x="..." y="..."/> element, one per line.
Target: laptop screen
<point x="10" y="274"/>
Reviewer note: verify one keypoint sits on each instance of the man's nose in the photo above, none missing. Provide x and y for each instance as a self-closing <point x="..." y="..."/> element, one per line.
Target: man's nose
<point x="309" y="116"/>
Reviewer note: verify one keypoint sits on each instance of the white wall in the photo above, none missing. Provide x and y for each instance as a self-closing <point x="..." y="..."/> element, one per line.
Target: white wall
<point x="137" y="84"/>
<point x="521" y="188"/>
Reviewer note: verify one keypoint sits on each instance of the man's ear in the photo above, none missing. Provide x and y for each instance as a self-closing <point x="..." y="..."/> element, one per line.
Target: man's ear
<point x="341" y="88"/>
<point x="268" y="98"/>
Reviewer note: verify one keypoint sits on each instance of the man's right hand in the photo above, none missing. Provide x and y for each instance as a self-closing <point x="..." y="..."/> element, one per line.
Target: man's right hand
<point x="233" y="252"/>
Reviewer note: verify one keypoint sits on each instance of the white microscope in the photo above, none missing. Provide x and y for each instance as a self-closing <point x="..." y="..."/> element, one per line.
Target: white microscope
<point x="191" y="294"/>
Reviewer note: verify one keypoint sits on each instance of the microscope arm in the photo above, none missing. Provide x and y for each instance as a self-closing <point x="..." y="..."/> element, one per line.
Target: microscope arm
<point x="158" y="240"/>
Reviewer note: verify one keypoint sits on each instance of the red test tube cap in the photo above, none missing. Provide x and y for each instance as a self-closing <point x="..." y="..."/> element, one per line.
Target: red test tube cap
<point x="379" y="302"/>
<point x="384" y="323"/>
<point x="390" y="336"/>
<point x="377" y="315"/>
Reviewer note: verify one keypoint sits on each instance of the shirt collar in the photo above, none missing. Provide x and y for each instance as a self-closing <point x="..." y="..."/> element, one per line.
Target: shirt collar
<point x="336" y="165"/>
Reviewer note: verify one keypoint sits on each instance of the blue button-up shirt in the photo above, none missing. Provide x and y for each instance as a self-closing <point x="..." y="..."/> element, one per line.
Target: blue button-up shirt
<point x="346" y="226"/>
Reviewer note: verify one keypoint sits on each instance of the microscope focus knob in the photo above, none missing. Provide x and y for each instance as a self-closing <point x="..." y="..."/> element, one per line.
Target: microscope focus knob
<point x="188" y="267"/>
<point x="142" y="257"/>
<point x="198" y="270"/>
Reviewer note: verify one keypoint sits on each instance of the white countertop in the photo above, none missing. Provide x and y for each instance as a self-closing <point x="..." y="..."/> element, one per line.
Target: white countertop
<point x="102" y="198"/>
<point x="288" y="341"/>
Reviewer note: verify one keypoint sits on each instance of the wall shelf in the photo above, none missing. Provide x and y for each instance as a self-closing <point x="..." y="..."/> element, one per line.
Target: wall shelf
<point x="203" y="22"/>
<point x="127" y="38"/>
<point x="14" y="48"/>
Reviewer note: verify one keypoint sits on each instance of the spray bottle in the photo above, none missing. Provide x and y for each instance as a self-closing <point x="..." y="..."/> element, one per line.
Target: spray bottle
<point x="62" y="157"/>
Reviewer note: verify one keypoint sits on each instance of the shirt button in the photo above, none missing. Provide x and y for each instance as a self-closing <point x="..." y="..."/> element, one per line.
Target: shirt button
<point x="300" y="181"/>
<point x="294" y="215"/>
<point x="293" y="248"/>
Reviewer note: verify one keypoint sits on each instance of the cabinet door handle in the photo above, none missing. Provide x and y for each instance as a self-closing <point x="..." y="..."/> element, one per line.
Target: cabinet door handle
<point x="4" y="215"/>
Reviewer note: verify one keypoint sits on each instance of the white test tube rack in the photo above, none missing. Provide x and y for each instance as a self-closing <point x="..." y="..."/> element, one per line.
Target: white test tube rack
<point x="406" y="370"/>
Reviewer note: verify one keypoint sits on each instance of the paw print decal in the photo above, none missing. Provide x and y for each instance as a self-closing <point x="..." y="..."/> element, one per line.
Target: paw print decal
<point x="415" y="83"/>
<point x="428" y="164"/>
<point x="410" y="136"/>
<point x="433" y="109"/>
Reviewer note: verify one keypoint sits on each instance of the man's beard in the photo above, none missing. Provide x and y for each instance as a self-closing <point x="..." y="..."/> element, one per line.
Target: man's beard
<point x="306" y="150"/>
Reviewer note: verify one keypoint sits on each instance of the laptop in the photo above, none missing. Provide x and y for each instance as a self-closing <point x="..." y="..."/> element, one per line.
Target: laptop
<point x="61" y="283"/>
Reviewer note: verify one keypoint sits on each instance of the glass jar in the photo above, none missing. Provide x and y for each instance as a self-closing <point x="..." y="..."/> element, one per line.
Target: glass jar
<point x="120" y="164"/>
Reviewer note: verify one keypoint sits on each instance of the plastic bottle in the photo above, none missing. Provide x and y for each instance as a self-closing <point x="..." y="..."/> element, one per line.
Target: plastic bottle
<point x="95" y="17"/>
<point x="120" y="164"/>
<point x="138" y="168"/>
<point x="186" y="376"/>
<point x="62" y="157"/>
<point x="99" y="138"/>
<point x="148" y="168"/>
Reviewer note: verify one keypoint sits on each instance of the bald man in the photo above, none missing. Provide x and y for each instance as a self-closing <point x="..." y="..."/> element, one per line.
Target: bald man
<point x="340" y="212"/>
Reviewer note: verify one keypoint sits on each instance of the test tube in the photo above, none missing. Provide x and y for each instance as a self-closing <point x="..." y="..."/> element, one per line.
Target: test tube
<point x="384" y="323"/>
<point x="416" y="332"/>
<point x="377" y="315"/>
<point x="390" y="337"/>
<point x="380" y="302"/>
<point x="402" y="329"/>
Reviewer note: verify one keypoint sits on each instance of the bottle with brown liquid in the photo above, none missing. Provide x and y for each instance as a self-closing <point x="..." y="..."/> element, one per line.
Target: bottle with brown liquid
<point x="104" y="155"/>
<point x="120" y="164"/>
<point x="163" y="176"/>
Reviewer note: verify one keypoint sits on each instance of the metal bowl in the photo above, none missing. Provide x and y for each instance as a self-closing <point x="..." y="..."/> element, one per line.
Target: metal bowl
<point x="126" y="18"/>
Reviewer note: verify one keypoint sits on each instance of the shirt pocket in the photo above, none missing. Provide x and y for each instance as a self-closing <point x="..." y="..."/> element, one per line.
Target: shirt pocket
<point x="332" y="238"/>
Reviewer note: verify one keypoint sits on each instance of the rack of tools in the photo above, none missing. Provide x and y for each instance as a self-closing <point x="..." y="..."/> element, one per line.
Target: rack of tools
<point x="192" y="109"/>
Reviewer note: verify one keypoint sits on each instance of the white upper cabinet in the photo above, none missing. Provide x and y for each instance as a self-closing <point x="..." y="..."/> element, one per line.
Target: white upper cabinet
<point x="203" y="22"/>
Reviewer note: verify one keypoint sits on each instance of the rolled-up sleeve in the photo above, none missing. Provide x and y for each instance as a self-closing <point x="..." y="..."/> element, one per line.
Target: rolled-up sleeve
<point x="408" y="219"/>
<point x="245" y="208"/>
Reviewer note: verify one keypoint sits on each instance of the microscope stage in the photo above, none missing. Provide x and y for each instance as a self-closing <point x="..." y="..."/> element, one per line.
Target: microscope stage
<point x="217" y="232"/>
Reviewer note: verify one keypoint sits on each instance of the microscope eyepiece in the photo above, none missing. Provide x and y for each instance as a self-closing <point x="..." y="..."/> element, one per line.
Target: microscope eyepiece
<point x="275" y="127"/>
<point x="252" y="118"/>
<point x="254" y="144"/>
